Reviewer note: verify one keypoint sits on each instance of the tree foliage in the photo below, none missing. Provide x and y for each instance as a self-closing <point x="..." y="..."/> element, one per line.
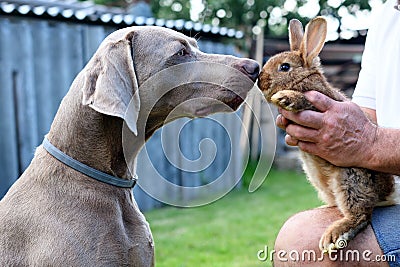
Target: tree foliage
<point x="271" y="15"/>
<point x="166" y="9"/>
<point x="171" y="9"/>
<point x="117" y="3"/>
<point x="274" y="15"/>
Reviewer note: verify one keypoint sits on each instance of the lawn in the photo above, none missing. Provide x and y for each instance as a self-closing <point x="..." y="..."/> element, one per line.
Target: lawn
<point x="232" y="230"/>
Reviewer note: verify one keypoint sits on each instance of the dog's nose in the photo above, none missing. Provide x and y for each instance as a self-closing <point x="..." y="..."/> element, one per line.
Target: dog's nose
<point x="250" y="68"/>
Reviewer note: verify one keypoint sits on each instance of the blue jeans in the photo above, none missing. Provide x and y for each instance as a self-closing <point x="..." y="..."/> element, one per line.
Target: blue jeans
<point x="386" y="225"/>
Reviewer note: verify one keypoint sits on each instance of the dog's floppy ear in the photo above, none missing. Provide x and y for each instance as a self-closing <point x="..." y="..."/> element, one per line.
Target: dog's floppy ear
<point x="110" y="81"/>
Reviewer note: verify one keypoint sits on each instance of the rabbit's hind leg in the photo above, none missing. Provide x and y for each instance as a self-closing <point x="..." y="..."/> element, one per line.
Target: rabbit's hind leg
<point x="291" y="100"/>
<point x="355" y="198"/>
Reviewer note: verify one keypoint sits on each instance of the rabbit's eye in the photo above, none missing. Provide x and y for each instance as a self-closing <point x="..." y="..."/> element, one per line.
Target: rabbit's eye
<point x="284" y="67"/>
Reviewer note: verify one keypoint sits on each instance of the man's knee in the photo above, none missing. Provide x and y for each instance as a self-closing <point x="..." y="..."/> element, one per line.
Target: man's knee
<point x="303" y="230"/>
<point x="298" y="241"/>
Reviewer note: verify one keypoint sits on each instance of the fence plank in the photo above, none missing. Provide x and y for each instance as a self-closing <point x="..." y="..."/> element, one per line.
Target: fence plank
<point x="47" y="104"/>
<point x="25" y="92"/>
<point x="9" y="162"/>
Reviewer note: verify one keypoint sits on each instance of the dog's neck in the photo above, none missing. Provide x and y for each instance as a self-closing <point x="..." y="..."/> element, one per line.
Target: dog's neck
<point x="90" y="137"/>
<point x="99" y="140"/>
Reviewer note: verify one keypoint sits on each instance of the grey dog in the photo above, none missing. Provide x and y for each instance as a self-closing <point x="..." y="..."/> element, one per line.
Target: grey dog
<point x="55" y="215"/>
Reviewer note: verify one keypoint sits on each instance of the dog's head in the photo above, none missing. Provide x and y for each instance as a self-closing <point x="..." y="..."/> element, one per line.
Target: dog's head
<point x="159" y="71"/>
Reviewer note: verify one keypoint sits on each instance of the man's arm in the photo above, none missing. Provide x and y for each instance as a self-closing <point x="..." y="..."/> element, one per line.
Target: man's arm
<point x="371" y="114"/>
<point x="342" y="134"/>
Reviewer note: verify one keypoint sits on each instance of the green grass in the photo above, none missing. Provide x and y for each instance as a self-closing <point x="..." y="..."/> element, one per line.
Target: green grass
<point x="230" y="231"/>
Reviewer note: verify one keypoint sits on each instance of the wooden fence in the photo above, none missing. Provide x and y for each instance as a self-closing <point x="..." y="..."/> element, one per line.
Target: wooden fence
<point x="38" y="61"/>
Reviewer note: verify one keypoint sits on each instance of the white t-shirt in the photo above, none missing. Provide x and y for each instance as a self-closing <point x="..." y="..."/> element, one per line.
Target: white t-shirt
<point x="378" y="85"/>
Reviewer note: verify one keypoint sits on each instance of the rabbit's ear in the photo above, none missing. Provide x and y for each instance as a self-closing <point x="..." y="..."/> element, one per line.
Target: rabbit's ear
<point x="314" y="39"/>
<point x="295" y="34"/>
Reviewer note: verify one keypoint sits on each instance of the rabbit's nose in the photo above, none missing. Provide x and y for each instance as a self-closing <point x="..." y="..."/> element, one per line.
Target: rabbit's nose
<point x="250" y="68"/>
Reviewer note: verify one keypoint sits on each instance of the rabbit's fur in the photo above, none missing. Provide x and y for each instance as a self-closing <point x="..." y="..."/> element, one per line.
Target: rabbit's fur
<point x="355" y="191"/>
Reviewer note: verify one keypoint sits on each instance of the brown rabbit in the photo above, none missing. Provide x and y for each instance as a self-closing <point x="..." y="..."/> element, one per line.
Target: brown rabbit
<point x="355" y="191"/>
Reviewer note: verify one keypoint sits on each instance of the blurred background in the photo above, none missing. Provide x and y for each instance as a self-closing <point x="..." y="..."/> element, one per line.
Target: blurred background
<point x="44" y="44"/>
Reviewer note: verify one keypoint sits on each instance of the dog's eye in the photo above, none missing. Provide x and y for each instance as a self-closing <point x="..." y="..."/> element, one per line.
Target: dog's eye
<point x="182" y="52"/>
<point x="284" y="67"/>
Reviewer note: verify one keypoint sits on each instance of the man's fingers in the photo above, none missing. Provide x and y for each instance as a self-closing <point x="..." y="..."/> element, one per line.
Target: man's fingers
<point x="290" y="141"/>
<point x="320" y="101"/>
<point x="307" y="118"/>
<point x="308" y="147"/>
<point x="282" y="122"/>
<point x="298" y="132"/>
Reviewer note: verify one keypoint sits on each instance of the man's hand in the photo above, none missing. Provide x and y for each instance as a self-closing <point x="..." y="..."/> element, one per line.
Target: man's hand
<point x="340" y="133"/>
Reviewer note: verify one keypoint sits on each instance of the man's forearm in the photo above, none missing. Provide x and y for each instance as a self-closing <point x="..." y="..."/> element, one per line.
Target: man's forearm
<point x="384" y="155"/>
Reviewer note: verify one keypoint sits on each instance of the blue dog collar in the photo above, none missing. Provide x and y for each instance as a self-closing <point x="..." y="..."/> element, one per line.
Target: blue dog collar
<point x="87" y="170"/>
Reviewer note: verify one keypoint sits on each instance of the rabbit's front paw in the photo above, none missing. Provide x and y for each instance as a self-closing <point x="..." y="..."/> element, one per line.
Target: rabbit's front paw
<point x="291" y="100"/>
